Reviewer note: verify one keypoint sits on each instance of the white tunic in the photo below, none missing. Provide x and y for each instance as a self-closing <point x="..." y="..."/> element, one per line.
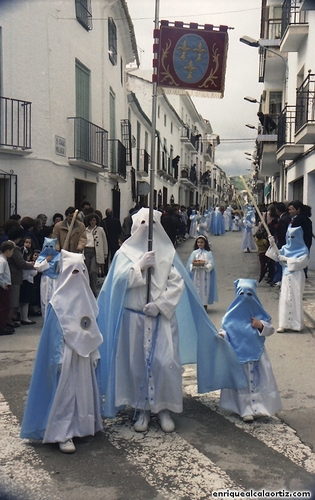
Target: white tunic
<point x="291" y="314"/>
<point x="75" y="409"/>
<point x="261" y="396"/>
<point x="201" y="276"/>
<point x="138" y="384"/>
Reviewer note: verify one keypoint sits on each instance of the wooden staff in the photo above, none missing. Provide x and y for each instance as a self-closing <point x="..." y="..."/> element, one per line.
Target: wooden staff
<point x="272" y="242"/>
<point x="67" y="240"/>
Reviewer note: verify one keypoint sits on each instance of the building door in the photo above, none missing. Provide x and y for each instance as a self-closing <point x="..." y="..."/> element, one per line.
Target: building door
<point x="8" y="195"/>
<point x="298" y="190"/>
<point x="116" y="203"/>
<point x="84" y="191"/>
<point x="82" y="97"/>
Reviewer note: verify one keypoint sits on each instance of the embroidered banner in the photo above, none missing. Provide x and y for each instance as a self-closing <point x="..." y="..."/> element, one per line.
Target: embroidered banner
<point x="191" y="58"/>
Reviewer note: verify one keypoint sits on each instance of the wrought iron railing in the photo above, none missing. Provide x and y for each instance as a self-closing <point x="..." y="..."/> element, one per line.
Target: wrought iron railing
<point x="286" y="126"/>
<point x="193" y="139"/>
<point x="83" y="13"/>
<point x="143" y="160"/>
<point x="292" y="14"/>
<point x="262" y="64"/>
<point x="117" y="158"/>
<point x="268" y="124"/>
<point x="273" y="29"/>
<point x="90" y="142"/>
<point x="15" y="123"/>
<point x="305" y="102"/>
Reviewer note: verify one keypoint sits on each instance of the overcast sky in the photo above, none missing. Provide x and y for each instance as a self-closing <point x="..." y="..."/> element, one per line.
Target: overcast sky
<point x="229" y="115"/>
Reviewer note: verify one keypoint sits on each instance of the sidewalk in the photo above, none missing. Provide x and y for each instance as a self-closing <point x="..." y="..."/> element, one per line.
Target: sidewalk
<point x="309" y="302"/>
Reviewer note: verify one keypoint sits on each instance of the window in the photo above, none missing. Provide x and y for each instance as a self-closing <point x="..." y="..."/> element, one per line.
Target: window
<point x="171" y="127"/>
<point x="275" y="102"/>
<point x="165" y="121"/>
<point x="121" y="71"/>
<point x="112" y="41"/>
<point x="146" y="141"/>
<point x="83" y="12"/>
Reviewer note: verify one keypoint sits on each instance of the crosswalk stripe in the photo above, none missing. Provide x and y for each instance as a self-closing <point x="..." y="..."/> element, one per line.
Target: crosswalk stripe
<point x="167" y="461"/>
<point x="18" y="462"/>
<point x="270" y="430"/>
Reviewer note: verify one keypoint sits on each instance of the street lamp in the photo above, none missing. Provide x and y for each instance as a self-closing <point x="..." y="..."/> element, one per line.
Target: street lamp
<point x="256" y="43"/>
<point x="250" y="154"/>
<point x="251" y="99"/>
<point x="249" y="125"/>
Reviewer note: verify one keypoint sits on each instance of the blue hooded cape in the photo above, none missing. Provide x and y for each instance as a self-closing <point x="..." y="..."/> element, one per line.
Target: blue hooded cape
<point x="217" y="363"/>
<point x="49" y="248"/>
<point x="246" y="341"/>
<point x="44" y="380"/>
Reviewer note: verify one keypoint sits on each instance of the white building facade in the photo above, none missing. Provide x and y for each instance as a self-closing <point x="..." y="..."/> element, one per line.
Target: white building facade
<point x="64" y="116"/>
<point x="76" y="120"/>
<point x="185" y="170"/>
<point x="286" y="147"/>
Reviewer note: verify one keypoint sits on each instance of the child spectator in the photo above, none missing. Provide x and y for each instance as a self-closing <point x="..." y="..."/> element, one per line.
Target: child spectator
<point x="245" y="325"/>
<point x="201" y="269"/>
<point x="7" y="248"/>
<point x="27" y="292"/>
<point x="262" y="245"/>
<point x="17" y="264"/>
<point x="27" y="248"/>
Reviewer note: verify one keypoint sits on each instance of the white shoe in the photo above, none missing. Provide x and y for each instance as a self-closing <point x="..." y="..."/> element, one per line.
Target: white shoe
<point x="166" y="422"/>
<point x="248" y="418"/>
<point x="67" y="446"/>
<point x="141" y="425"/>
<point x="280" y="330"/>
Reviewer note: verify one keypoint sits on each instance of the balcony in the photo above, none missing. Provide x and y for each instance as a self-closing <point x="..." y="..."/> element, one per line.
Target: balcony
<point x="268" y="128"/>
<point x="287" y="149"/>
<point x="294" y="29"/>
<point x="305" y="112"/>
<point x="117" y="160"/>
<point x="272" y="29"/>
<point x="190" y="140"/>
<point x="207" y="151"/>
<point x="15" y="126"/>
<point x="266" y="153"/>
<point x="165" y="168"/>
<point x="205" y="181"/>
<point x="90" y="147"/>
<point x="188" y="177"/>
<point x="143" y="160"/>
<point x="84" y="13"/>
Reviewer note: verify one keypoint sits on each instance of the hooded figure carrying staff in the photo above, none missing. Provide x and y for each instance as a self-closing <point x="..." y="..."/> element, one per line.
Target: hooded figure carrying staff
<point x="146" y="339"/>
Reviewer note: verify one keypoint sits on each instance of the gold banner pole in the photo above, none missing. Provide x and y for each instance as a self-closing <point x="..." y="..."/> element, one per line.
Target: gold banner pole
<point x="272" y="243"/>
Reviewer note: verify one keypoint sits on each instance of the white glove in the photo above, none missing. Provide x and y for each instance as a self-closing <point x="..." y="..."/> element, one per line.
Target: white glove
<point x="271" y="240"/>
<point x="148" y="260"/>
<point x="151" y="309"/>
<point x="283" y="259"/>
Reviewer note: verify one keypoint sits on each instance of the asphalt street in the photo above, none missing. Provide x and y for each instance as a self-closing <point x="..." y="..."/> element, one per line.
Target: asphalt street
<point x="210" y="450"/>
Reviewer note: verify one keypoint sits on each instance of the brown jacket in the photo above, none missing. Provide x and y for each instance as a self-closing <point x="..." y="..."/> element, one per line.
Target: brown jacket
<point x="77" y="238"/>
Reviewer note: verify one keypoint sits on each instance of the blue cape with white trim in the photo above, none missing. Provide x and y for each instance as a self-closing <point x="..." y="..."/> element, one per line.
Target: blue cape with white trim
<point x="199" y="341"/>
